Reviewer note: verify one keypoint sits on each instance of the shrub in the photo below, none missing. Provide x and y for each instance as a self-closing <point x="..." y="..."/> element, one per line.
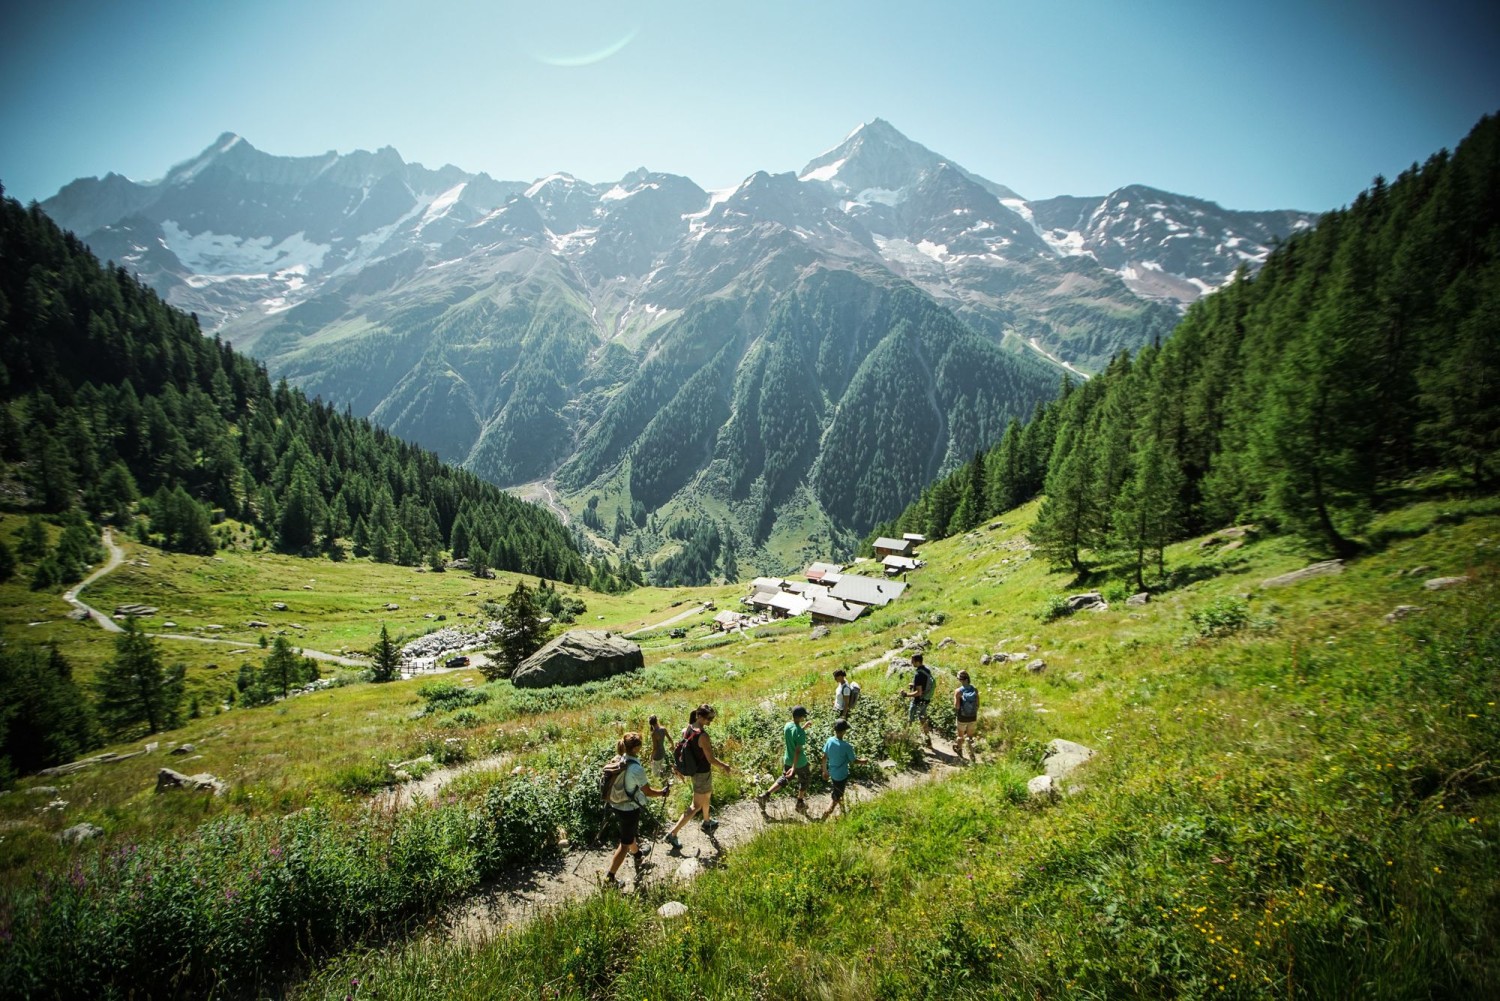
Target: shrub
<point x="446" y="696"/>
<point x="1221" y="617"/>
<point x="521" y="818"/>
<point x="363" y="779"/>
<point x="1055" y="608"/>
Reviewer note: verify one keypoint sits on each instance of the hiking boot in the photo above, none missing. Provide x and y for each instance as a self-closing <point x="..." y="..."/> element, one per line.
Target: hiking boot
<point x="641" y="864"/>
<point x="643" y="850"/>
<point x="671" y="839"/>
<point x="762" y="800"/>
<point x="709" y="826"/>
<point x="801" y="806"/>
<point x="610" y="882"/>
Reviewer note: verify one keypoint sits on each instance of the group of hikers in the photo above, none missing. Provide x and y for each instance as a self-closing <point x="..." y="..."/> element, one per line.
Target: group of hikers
<point x="626" y="785"/>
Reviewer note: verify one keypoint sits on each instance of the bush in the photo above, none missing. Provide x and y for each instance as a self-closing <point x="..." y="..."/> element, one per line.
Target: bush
<point x="446" y="696"/>
<point x="1055" y="608"/>
<point x="521" y="818"/>
<point x="1221" y="617"/>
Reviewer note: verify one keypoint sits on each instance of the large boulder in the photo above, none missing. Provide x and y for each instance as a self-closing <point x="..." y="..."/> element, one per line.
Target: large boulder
<point x="577" y="656"/>
<point x="1063" y="757"/>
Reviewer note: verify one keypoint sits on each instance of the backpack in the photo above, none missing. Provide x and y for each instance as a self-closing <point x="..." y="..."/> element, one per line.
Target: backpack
<point x="685" y="752"/>
<point x="924" y="676"/>
<point x="968" y="704"/>
<point x="852" y="697"/>
<point x="613" y="769"/>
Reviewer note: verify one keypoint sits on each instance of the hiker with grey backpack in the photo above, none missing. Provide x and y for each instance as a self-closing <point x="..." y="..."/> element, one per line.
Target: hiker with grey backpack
<point x="625" y="790"/>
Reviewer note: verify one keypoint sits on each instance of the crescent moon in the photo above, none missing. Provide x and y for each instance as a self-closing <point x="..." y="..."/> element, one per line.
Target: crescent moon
<point x="590" y="58"/>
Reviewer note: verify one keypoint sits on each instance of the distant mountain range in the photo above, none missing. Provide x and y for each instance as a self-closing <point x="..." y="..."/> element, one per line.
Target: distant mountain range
<point x="794" y="357"/>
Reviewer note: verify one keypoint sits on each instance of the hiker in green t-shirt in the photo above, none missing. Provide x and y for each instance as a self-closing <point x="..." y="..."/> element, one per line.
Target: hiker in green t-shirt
<point x="793" y="760"/>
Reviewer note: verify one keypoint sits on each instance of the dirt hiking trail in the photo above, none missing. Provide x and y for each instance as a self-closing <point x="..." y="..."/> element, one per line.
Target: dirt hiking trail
<point x="530" y="891"/>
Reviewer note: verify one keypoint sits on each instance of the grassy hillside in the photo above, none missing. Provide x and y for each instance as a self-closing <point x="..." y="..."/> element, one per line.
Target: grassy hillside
<point x="1291" y="795"/>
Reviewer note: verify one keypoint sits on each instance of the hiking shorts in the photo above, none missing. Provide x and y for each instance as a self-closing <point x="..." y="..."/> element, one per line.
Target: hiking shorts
<point x="916" y="710"/>
<point x="703" y="782"/>
<point x="966" y="727"/>
<point x="837" y="788"/>
<point x="630" y="824"/>
<point x="803" y="775"/>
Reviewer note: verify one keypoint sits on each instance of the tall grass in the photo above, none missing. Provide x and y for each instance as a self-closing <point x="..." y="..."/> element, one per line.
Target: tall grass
<point x="1289" y="818"/>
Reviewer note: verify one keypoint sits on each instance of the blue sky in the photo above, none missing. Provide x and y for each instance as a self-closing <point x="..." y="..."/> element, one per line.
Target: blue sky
<point x="1254" y="105"/>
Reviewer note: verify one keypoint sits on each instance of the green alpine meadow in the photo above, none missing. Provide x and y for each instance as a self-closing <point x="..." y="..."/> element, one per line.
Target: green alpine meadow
<point x="313" y="658"/>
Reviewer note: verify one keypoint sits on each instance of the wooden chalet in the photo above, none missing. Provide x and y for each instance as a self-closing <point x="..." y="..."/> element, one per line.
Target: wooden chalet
<point x="892" y="547"/>
<point x="866" y="590"/>
<point x="898" y="565"/>
<point x="833" y="611"/>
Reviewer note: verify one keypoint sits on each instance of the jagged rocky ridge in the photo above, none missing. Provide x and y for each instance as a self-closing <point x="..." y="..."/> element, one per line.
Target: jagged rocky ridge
<point x="783" y="356"/>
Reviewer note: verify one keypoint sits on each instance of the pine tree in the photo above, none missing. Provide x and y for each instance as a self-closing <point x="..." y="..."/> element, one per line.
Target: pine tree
<point x="1065" y="520"/>
<point x="283" y="667"/>
<point x="1148" y="513"/>
<point x="33" y="544"/>
<point x="386" y="658"/>
<point x="522" y="632"/>
<point x="44" y="718"/>
<point x="135" y="688"/>
<point x="1316" y="437"/>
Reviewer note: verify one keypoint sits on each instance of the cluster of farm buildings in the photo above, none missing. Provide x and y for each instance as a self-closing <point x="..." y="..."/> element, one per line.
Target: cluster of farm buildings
<point x="829" y="594"/>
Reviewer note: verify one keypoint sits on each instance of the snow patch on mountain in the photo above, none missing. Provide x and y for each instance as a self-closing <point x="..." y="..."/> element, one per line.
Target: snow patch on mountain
<point x="442" y="203"/>
<point x="210" y="253"/>
<point x="536" y="189"/>
<point x="827" y="172"/>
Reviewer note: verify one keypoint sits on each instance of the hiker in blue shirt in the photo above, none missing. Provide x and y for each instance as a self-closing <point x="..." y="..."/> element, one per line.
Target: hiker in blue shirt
<point x="626" y="796"/>
<point x="793" y="760"/>
<point x="838" y="755"/>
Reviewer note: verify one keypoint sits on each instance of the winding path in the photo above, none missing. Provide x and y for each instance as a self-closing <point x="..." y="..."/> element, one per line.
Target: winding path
<point x="109" y="625"/>
<point x="116" y="557"/>
<point x="530" y="891"/>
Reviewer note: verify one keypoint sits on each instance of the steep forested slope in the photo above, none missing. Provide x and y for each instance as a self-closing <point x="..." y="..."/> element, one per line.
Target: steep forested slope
<point x="109" y="394"/>
<point x="1365" y="352"/>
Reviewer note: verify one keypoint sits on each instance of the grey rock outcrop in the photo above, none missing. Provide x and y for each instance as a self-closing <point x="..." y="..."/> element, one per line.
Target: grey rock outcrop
<point x="1402" y="611"/>
<point x="1306" y="573"/>
<point x="1037" y="666"/>
<point x="1137" y="600"/>
<point x="167" y="780"/>
<point x="1440" y="583"/>
<point x="577" y="656"/>
<point x="1063" y="758"/>
<point x="79" y="833"/>
<point x="1088" y="601"/>
<point x="672" y="909"/>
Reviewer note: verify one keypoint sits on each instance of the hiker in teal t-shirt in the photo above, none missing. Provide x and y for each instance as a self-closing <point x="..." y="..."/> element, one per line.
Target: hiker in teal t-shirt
<point x="838" y="755"/>
<point x="793" y="760"/>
